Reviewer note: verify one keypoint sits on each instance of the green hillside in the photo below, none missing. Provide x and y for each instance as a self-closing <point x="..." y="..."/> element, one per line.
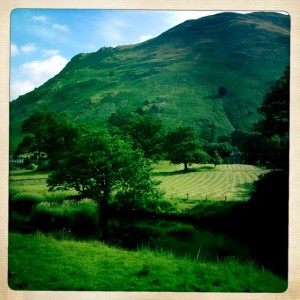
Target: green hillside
<point x="175" y="76"/>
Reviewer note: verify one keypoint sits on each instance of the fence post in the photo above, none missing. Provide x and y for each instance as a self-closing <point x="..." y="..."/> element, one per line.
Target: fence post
<point x="225" y="198"/>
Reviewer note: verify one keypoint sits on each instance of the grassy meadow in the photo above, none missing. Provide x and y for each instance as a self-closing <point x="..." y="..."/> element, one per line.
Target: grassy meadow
<point x="93" y="266"/>
<point x="52" y="244"/>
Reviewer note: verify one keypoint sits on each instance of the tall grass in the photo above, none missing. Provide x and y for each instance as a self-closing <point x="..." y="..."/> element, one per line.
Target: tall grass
<point x="76" y="218"/>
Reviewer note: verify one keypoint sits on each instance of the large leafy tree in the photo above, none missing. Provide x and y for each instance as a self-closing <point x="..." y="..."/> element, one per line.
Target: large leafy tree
<point x="183" y="146"/>
<point x="49" y="133"/>
<point x="147" y="134"/>
<point x="101" y="165"/>
<point x="274" y="127"/>
<point x="218" y="151"/>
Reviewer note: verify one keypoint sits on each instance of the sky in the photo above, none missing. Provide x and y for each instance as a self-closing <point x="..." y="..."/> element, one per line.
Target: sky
<point x="44" y="40"/>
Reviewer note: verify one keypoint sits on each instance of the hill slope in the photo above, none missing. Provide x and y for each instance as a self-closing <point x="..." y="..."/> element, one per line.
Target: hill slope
<point x="175" y="76"/>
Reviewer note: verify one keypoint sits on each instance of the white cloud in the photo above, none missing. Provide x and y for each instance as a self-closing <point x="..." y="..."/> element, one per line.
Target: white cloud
<point x="146" y="37"/>
<point x="63" y="28"/>
<point x="111" y="30"/>
<point x="42" y="19"/>
<point x="90" y="47"/>
<point x="35" y="73"/>
<point x="28" y="48"/>
<point x="14" y="50"/>
<point x="41" y="70"/>
<point x="50" y="52"/>
<point x="18" y="88"/>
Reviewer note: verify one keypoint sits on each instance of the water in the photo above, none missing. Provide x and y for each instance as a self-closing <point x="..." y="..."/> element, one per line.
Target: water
<point x="181" y="239"/>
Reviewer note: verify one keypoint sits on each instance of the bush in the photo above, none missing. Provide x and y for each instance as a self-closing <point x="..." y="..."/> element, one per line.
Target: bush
<point x="78" y="218"/>
<point x="31" y="166"/>
<point x="124" y="204"/>
<point x="24" y="202"/>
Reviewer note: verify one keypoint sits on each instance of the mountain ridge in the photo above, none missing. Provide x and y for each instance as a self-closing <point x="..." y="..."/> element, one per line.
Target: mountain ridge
<point x="175" y="76"/>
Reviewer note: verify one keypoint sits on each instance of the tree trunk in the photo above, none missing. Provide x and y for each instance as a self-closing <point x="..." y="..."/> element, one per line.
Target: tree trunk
<point x="103" y="217"/>
<point x="185" y="166"/>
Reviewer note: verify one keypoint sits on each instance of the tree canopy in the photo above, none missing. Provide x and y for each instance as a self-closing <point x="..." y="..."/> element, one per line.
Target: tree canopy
<point x="100" y="165"/>
<point x="146" y="132"/>
<point x="49" y="132"/>
<point x="183" y="146"/>
<point x="274" y="127"/>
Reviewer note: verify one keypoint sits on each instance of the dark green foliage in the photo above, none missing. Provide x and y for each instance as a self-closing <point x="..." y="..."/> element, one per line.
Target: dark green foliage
<point x="23" y="202"/>
<point x="274" y="128"/>
<point x="222" y="91"/>
<point x="269" y="144"/>
<point x="27" y="145"/>
<point x="222" y="149"/>
<point x="77" y="218"/>
<point x="183" y="146"/>
<point x="269" y="203"/>
<point x="50" y="133"/>
<point x="238" y="136"/>
<point x="119" y="118"/>
<point x="268" y="215"/>
<point x="125" y="205"/>
<point x="147" y="134"/>
<point x="275" y="108"/>
<point x="99" y="165"/>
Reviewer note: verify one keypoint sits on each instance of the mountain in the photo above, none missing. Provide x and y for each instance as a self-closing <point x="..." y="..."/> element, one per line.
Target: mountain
<point x="212" y="72"/>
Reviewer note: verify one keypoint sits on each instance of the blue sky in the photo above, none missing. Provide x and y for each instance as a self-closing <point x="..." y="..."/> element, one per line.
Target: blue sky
<point x="44" y="40"/>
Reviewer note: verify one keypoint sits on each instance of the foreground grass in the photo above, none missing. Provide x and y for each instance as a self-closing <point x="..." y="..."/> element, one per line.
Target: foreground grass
<point x="37" y="262"/>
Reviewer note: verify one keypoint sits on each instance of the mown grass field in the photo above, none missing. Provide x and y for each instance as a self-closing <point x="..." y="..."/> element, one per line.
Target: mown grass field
<point x="231" y="182"/>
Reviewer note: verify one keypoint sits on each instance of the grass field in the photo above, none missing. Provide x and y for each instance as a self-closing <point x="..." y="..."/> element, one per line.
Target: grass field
<point x="232" y="182"/>
<point x="37" y="262"/>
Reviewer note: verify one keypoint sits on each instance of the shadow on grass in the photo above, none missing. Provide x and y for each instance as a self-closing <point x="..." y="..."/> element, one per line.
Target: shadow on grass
<point x="190" y="170"/>
<point x="244" y="191"/>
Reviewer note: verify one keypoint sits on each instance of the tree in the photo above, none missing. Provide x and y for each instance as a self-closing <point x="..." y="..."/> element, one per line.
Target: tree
<point x="274" y="127"/>
<point x="223" y="149"/>
<point x="147" y="134"/>
<point x="269" y="204"/>
<point x="275" y="108"/>
<point x="183" y="146"/>
<point x="101" y="165"/>
<point x="49" y="133"/>
<point x="222" y="91"/>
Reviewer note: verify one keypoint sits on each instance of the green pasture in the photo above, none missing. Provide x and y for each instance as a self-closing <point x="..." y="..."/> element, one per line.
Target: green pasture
<point x="94" y="266"/>
<point x="231" y="182"/>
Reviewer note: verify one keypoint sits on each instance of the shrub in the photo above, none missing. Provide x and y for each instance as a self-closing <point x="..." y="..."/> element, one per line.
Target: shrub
<point x="23" y="202"/>
<point x="126" y="205"/>
<point x="31" y="166"/>
<point x="182" y="232"/>
<point x="78" y="218"/>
